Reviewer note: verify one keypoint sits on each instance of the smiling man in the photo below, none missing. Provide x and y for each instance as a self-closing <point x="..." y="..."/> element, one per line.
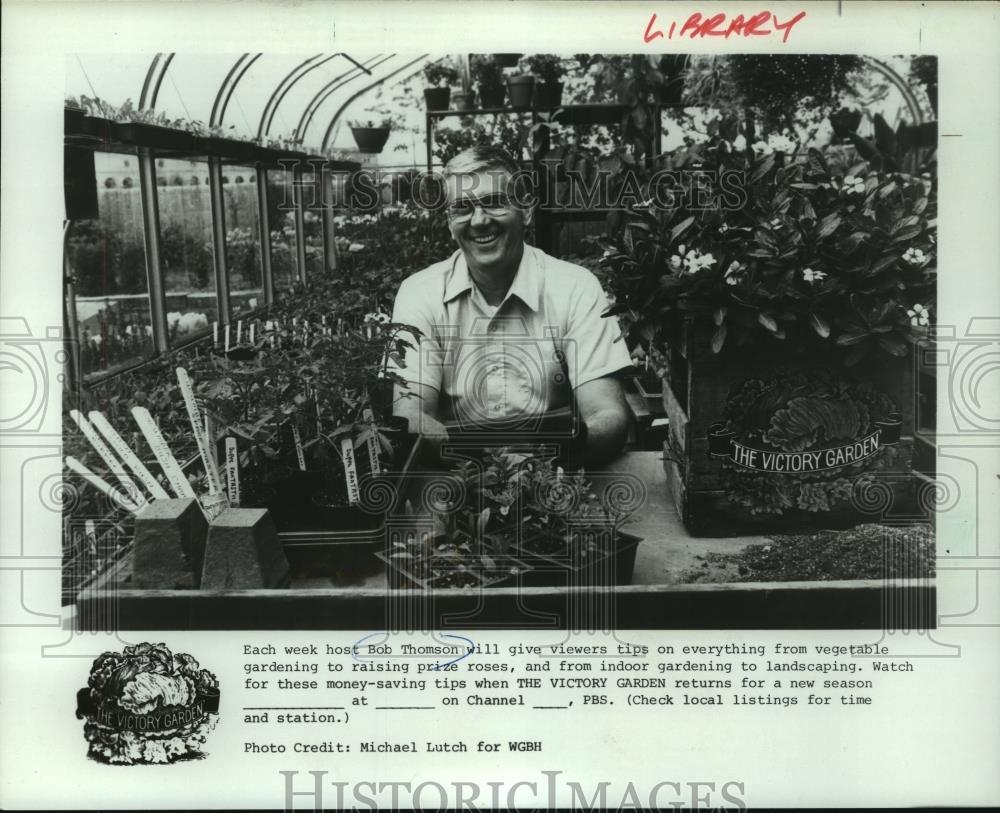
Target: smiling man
<point x="510" y="333"/>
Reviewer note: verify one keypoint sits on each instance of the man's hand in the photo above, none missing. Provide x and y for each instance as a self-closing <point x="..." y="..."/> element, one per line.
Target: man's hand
<point x="604" y="411"/>
<point x="419" y="405"/>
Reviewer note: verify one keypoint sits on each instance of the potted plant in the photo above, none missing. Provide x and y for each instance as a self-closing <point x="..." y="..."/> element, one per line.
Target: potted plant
<point x="568" y="534"/>
<point x="506" y="60"/>
<point x="521" y="90"/>
<point x="812" y="272"/>
<point x="464" y="99"/>
<point x="549" y="71"/>
<point x="440" y="75"/>
<point x="371" y="136"/>
<point x="489" y="81"/>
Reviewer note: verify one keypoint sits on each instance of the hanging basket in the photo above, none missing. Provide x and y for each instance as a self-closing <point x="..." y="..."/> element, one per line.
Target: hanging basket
<point x="370" y="139"/>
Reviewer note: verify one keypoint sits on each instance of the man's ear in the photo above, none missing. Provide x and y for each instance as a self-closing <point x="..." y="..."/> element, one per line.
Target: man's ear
<point x="528" y="212"/>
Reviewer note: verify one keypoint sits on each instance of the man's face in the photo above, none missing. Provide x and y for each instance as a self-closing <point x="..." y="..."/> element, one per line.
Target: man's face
<point x="484" y="222"/>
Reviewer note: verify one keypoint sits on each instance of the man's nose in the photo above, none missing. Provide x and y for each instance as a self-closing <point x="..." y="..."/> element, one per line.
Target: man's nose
<point x="479" y="217"/>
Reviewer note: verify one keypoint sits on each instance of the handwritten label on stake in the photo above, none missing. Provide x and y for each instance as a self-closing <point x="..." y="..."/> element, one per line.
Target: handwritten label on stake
<point x="298" y="447"/>
<point x="112" y="493"/>
<point x="232" y="471"/>
<point x="112" y="462"/>
<point x="350" y="471"/>
<point x="198" y="428"/>
<point x="171" y="468"/>
<point x="372" y="441"/>
<point x="126" y="454"/>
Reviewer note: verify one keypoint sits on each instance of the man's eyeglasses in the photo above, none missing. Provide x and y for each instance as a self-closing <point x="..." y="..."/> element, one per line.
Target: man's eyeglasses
<point x="493" y="206"/>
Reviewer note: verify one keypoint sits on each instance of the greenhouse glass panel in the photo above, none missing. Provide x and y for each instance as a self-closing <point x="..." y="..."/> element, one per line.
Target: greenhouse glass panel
<point x="113" y="78"/>
<point x="246" y="290"/>
<point x="313" y="229"/>
<point x="186" y="255"/>
<point x="190" y="85"/>
<point x="255" y="89"/>
<point x="281" y="217"/>
<point x="107" y="258"/>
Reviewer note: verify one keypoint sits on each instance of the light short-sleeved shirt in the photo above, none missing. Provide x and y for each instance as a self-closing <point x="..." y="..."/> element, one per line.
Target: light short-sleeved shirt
<point x="521" y="358"/>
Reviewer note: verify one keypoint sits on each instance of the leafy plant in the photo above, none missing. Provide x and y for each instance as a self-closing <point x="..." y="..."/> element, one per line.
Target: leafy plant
<point x="547" y="67"/>
<point x="487" y="73"/>
<point x="805" y="256"/>
<point x="441" y="73"/>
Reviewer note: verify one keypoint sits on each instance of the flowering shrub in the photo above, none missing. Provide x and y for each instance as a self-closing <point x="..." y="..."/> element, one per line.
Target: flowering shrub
<point x="798" y="255"/>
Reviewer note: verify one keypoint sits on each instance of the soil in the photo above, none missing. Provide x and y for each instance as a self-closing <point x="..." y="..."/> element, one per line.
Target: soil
<point x="855" y="553"/>
<point x="455" y="578"/>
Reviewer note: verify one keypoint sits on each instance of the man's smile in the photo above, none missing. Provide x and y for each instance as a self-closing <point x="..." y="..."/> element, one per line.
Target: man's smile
<point x="485" y="239"/>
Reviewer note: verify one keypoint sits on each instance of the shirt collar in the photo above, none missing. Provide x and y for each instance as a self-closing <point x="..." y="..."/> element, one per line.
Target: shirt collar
<point x="525" y="286"/>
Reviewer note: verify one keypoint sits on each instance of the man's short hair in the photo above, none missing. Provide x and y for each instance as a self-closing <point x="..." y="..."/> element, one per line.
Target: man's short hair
<point x="480" y="158"/>
<point x="488" y="158"/>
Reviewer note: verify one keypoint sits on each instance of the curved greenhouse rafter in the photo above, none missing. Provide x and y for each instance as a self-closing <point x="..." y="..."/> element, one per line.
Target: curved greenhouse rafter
<point x="236" y="73"/>
<point x="336" y="116"/>
<point x="327" y="90"/>
<point x="154" y="78"/>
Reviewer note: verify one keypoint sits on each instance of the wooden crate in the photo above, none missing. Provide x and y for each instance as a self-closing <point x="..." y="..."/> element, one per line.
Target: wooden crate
<point x="694" y="397"/>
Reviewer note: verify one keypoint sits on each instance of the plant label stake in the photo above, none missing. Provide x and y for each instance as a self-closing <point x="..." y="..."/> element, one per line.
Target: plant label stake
<point x="252" y="325"/>
<point x="215" y="334"/>
<point x="112" y="493"/>
<point x="112" y="462"/>
<point x="372" y="444"/>
<point x="90" y="530"/>
<point x="232" y="471"/>
<point x="126" y="454"/>
<point x="350" y="471"/>
<point x="227" y="339"/>
<point x="298" y="447"/>
<point x="239" y="331"/>
<point x="171" y="468"/>
<point x="200" y="431"/>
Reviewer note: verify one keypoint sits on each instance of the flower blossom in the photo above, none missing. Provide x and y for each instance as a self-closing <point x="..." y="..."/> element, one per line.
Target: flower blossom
<point x="734" y="272"/>
<point x="854" y="185"/>
<point x="812" y="276"/>
<point x="781" y="143"/>
<point x="914" y="256"/>
<point x="695" y="261"/>
<point x="919" y="316"/>
<point x="354" y="248"/>
<point x="761" y="148"/>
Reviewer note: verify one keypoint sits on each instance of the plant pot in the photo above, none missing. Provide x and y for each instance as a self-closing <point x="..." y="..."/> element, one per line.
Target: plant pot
<point x="559" y="568"/>
<point x="507" y="60"/>
<point x="521" y="89"/>
<point x="370" y="139"/>
<point x="463" y="100"/>
<point x="449" y="573"/>
<point x="152" y="135"/>
<point x="437" y="98"/>
<point x="492" y="98"/>
<point x="549" y="94"/>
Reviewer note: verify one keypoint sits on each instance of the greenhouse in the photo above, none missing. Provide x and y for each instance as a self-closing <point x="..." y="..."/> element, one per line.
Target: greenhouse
<point x="671" y="371"/>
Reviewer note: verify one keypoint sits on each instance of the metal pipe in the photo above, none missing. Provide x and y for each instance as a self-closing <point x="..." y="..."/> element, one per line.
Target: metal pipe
<point x="300" y="221"/>
<point x="219" y="239"/>
<point x="267" y="276"/>
<point x="151" y="238"/>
